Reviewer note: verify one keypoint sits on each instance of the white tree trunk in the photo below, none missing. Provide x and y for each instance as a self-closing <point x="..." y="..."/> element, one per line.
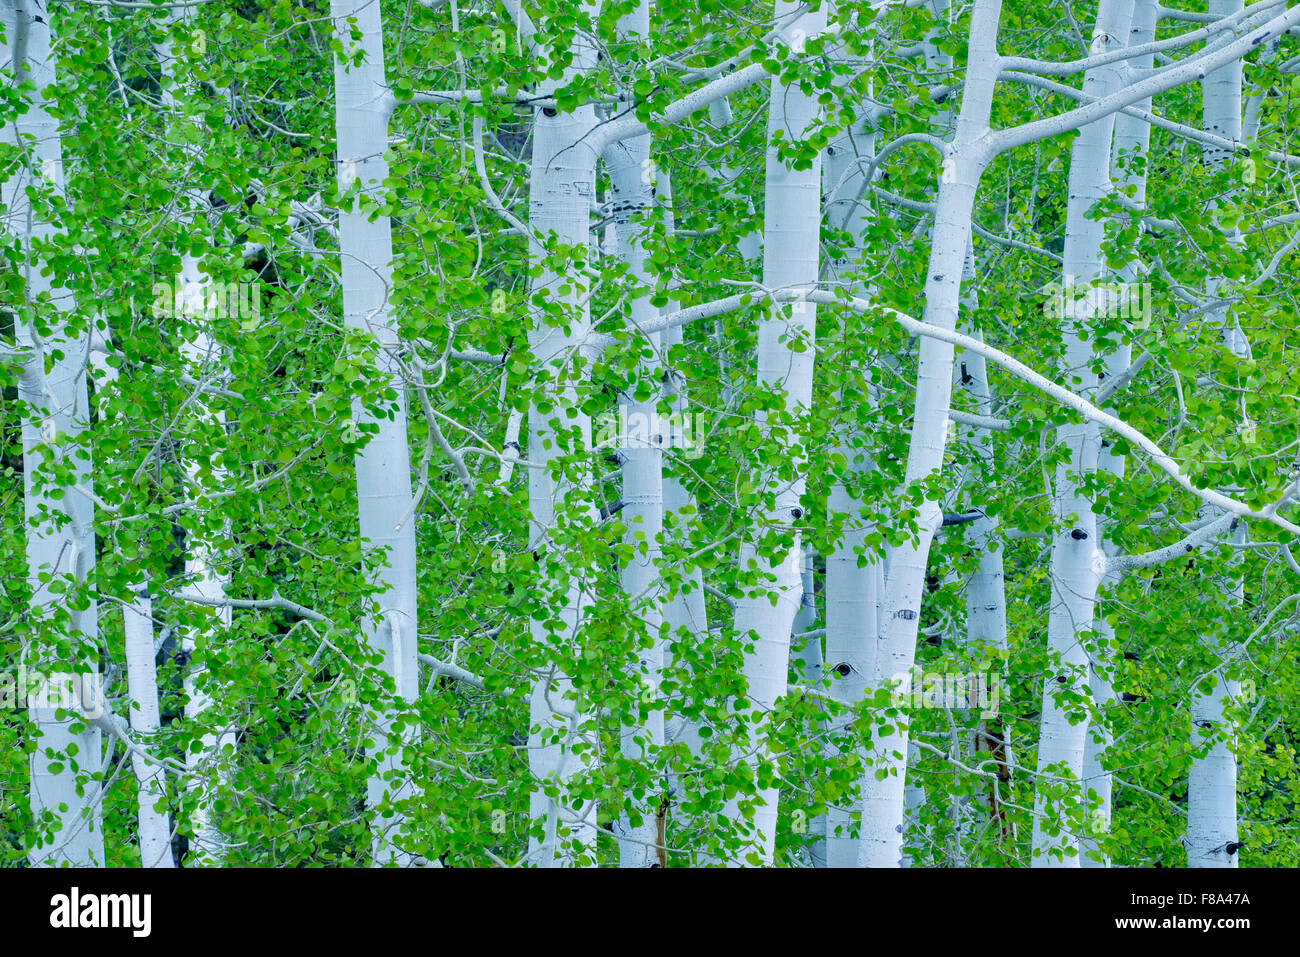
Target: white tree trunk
<point x="1212" y="779"/>
<point x="142" y="687"/>
<point x="562" y="183"/>
<point x="883" y="800"/>
<point x="807" y="661"/>
<point x="1132" y="138"/>
<point x="202" y="569"/>
<point x="684" y="611"/>
<point x="854" y="577"/>
<point x="1211" y="839"/>
<point x="642" y="453"/>
<point x="59" y="520"/>
<point x="791" y="231"/>
<point x="986" y="610"/>
<point x="1075" y="571"/>
<point x="384" y="465"/>
<point x="154" y="830"/>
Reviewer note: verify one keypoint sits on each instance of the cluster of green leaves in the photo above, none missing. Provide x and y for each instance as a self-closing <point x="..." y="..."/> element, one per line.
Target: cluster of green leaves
<point x="261" y="471"/>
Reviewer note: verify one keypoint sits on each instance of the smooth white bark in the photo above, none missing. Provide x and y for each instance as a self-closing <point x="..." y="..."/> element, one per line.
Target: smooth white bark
<point x="986" y="610"/>
<point x="383" y="466"/>
<point x="1212" y="780"/>
<point x="1131" y="140"/>
<point x="203" y="569"/>
<point x="791" y="232"/>
<point x="562" y="183"/>
<point x="684" y="609"/>
<point x="629" y="167"/>
<point x="883" y="800"/>
<point x="854" y="575"/>
<point x="64" y="795"/>
<point x="142" y="686"/>
<point x="1075" y="573"/>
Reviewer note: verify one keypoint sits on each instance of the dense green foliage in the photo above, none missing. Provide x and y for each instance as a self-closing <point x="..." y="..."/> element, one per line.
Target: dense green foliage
<point x="252" y="129"/>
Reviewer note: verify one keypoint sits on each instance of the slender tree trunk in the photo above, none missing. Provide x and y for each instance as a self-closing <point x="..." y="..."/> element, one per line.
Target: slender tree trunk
<point x="1075" y="569"/>
<point x="65" y="797"/>
<point x="791" y="231"/>
<point x="154" y="829"/>
<point x="807" y="661"/>
<point x="642" y="454"/>
<point x="202" y="567"/>
<point x="684" y="609"/>
<point x="142" y="686"/>
<point x="883" y="800"/>
<point x="562" y="183"/>
<point x="1132" y="138"/>
<point x="1212" y="839"/>
<point x="383" y="465"/>
<point x="1212" y="780"/>
<point x="854" y="575"/>
<point x="986" y="607"/>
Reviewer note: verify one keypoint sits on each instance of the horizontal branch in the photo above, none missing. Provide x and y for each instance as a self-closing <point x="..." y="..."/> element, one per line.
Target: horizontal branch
<point x="276" y="601"/>
<point x="1178" y="129"/>
<point x="452" y="671"/>
<point x="1069" y="399"/>
<point x="279" y="602"/>
<point x="979" y="421"/>
<point x="1217" y="25"/>
<point x="627" y="126"/>
<point x="14" y="355"/>
<point x="1193" y="69"/>
<point x="1187" y="543"/>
